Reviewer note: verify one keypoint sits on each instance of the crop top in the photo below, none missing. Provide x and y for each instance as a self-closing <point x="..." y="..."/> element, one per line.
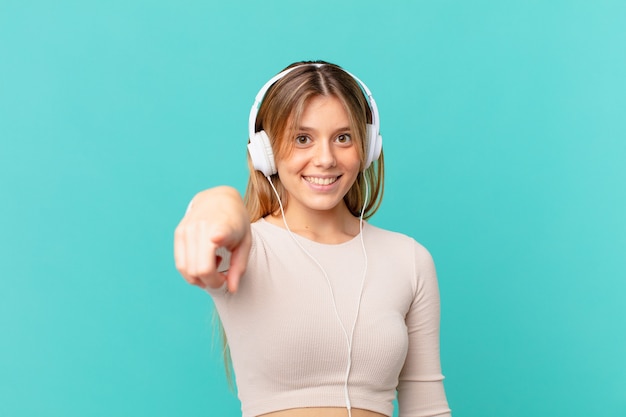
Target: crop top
<point x="287" y="346"/>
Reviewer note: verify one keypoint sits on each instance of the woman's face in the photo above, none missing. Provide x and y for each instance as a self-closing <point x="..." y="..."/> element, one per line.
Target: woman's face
<point x="324" y="161"/>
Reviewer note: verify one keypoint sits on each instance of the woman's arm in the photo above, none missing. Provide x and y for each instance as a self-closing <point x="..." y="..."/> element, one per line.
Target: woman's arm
<point x="216" y="218"/>
<point x="420" y="389"/>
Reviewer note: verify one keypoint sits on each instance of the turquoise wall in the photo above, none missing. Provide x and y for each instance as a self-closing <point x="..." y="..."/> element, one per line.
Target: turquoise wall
<point x="505" y="141"/>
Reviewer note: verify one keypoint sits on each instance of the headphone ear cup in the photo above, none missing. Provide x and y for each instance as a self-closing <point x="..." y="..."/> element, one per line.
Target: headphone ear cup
<point x="374" y="146"/>
<point x="261" y="153"/>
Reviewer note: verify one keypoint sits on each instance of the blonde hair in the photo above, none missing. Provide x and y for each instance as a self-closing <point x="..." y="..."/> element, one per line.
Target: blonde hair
<point x="278" y="115"/>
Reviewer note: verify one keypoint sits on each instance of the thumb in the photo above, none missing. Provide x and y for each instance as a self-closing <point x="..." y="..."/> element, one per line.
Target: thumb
<point x="226" y="236"/>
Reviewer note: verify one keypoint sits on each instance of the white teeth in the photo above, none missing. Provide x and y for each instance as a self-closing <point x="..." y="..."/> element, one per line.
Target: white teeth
<point x="320" y="181"/>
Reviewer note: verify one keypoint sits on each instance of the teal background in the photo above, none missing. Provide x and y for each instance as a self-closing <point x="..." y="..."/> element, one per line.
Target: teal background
<point x="505" y="141"/>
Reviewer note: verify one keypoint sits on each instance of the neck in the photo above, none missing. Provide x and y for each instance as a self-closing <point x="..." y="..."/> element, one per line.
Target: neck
<point x="333" y="226"/>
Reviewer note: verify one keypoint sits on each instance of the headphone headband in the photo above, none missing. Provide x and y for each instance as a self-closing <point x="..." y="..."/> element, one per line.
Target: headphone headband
<point x="260" y="149"/>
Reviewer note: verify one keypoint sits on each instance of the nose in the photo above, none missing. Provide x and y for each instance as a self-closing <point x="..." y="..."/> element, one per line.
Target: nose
<point x="324" y="155"/>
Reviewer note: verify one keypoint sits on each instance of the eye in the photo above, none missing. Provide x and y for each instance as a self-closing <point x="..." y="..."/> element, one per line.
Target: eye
<point x="344" y="138"/>
<point x="302" y="140"/>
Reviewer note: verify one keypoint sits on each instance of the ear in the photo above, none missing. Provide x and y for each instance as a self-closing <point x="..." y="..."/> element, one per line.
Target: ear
<point x="374" y="145"/>
<point x="261" y="153"/>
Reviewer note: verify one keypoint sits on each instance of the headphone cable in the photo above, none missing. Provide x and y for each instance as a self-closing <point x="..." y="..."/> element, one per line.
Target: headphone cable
<point x="330" y="287"/>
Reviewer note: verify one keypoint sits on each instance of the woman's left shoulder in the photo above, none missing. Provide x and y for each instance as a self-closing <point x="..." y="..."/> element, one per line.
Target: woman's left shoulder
<point x="396" y="240"/>
<point x="402" y="254"/>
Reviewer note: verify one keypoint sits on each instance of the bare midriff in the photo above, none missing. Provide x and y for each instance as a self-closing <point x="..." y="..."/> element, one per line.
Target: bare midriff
<point x="323" y="412"/>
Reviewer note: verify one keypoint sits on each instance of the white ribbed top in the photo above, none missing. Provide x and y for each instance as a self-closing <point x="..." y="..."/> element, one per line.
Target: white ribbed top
<point x="288" y="348"/>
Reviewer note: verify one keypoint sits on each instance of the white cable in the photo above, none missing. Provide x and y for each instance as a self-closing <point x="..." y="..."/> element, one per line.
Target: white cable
<point x="330" y="287"/>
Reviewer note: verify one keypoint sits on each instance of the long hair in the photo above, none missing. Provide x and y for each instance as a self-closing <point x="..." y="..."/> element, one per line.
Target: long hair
<point x="279" y="114"/>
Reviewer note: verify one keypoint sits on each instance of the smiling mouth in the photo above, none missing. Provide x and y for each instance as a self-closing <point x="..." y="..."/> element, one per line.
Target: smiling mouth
<point x="321" y="181"/>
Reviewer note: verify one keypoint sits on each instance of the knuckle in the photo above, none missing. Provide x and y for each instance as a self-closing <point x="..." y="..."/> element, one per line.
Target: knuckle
<point x="180" y="266"/>
<point x="179" y="232"/>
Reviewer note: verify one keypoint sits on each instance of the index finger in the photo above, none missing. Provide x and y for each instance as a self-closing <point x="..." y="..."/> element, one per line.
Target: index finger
<point x="238" y="263"/>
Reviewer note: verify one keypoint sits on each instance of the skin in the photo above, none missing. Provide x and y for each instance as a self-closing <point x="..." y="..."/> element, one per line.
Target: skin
<point x="319" y="171"/>
<point x="217" y="218"/>
<point x="323" y="152"/>
<point x="323" y="412"/>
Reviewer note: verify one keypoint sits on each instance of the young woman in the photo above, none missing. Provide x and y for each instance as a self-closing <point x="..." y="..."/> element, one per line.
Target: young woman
<point x="325" y="315"/>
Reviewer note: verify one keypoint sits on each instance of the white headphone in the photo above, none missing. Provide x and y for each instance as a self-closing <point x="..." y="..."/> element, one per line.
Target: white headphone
<point x="260" y="148"/>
